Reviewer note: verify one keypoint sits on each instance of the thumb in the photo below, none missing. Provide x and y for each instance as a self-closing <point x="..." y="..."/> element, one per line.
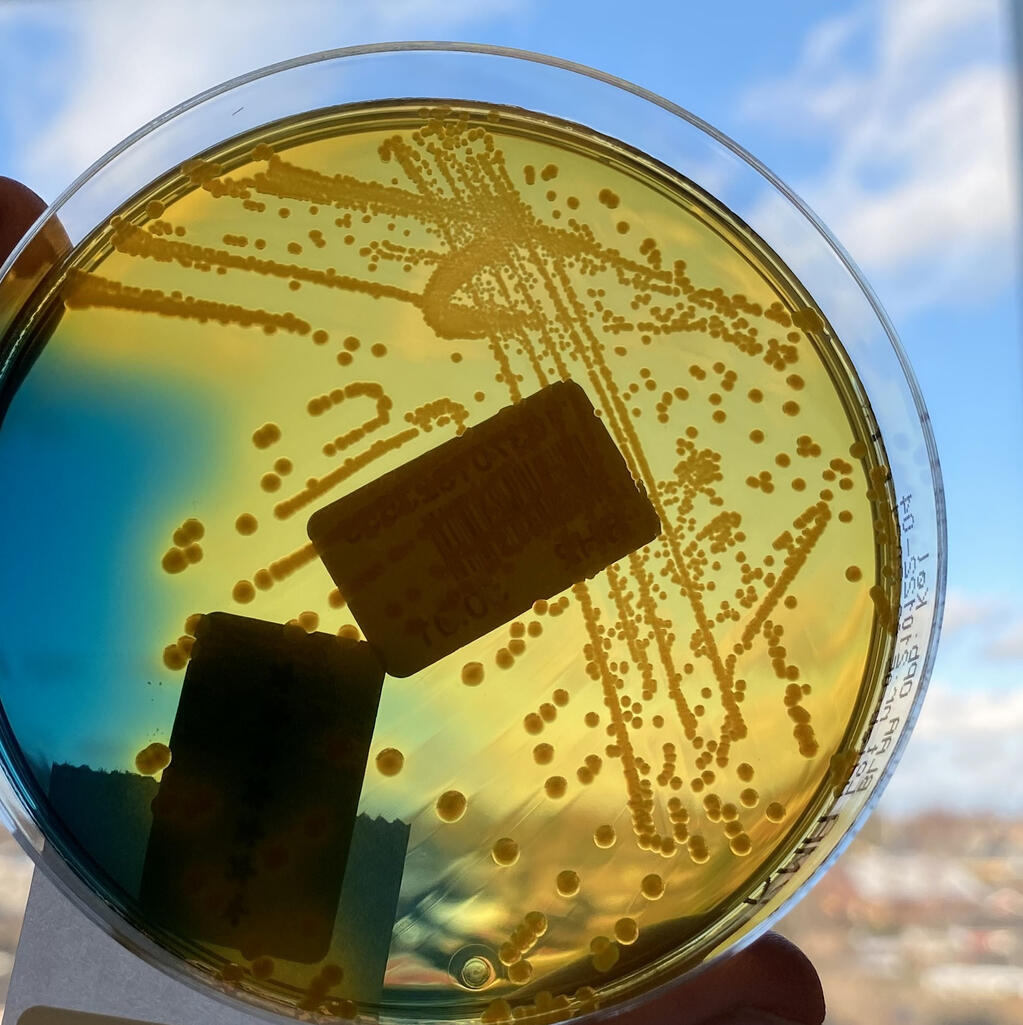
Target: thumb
<point x="771" y="980"/>
<point x="19" y="209"/>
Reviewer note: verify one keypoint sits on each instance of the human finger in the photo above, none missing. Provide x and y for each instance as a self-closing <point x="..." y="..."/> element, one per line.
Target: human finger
<point x="772" y="980"/>
<point x="20" y="207"/>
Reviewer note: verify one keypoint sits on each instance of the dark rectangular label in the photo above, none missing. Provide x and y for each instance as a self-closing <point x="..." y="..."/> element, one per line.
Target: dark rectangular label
<point x="253" y="820"/>
<point x="467" y="536"/>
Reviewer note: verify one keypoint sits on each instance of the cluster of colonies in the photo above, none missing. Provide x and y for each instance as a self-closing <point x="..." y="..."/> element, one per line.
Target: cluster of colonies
<point x="317" y="994"/>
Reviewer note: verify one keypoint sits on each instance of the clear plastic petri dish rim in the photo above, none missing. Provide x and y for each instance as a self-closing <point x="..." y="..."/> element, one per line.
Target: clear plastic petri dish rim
<point x="672" y="139"/>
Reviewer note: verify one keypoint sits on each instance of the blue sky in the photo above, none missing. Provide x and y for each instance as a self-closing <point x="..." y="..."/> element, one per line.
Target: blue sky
<point x="892" y="118"/>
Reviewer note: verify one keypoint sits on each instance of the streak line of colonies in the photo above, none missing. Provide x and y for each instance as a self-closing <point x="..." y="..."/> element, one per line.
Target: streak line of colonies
<point x="135" y="242"/>
<point x="286" y="508"/>
<point x="91" y="290"/>
<point x="434" y="311"/>
<point x="641" y="821"/>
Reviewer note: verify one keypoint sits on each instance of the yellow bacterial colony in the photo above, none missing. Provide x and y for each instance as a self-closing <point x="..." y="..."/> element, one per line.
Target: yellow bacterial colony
<point x="632" y="756"/>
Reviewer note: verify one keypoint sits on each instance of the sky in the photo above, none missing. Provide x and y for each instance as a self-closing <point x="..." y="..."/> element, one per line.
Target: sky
<point x="893" y="119"/>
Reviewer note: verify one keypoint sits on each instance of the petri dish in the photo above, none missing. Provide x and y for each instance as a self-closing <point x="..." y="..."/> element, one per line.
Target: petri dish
<point x="475" y="545"/>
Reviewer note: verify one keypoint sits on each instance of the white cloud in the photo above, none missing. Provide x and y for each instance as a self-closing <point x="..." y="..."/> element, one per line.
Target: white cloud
<point x="964" y="755"/>
<point x="912" y="30"/>
<point x="964" y="610"/>
<point x="950" y="713"/>
<point x="126" y="62"/>
<point x="919" y="183"/>
<point x="990" y="628"/>
<point x="1008" y="644"/>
